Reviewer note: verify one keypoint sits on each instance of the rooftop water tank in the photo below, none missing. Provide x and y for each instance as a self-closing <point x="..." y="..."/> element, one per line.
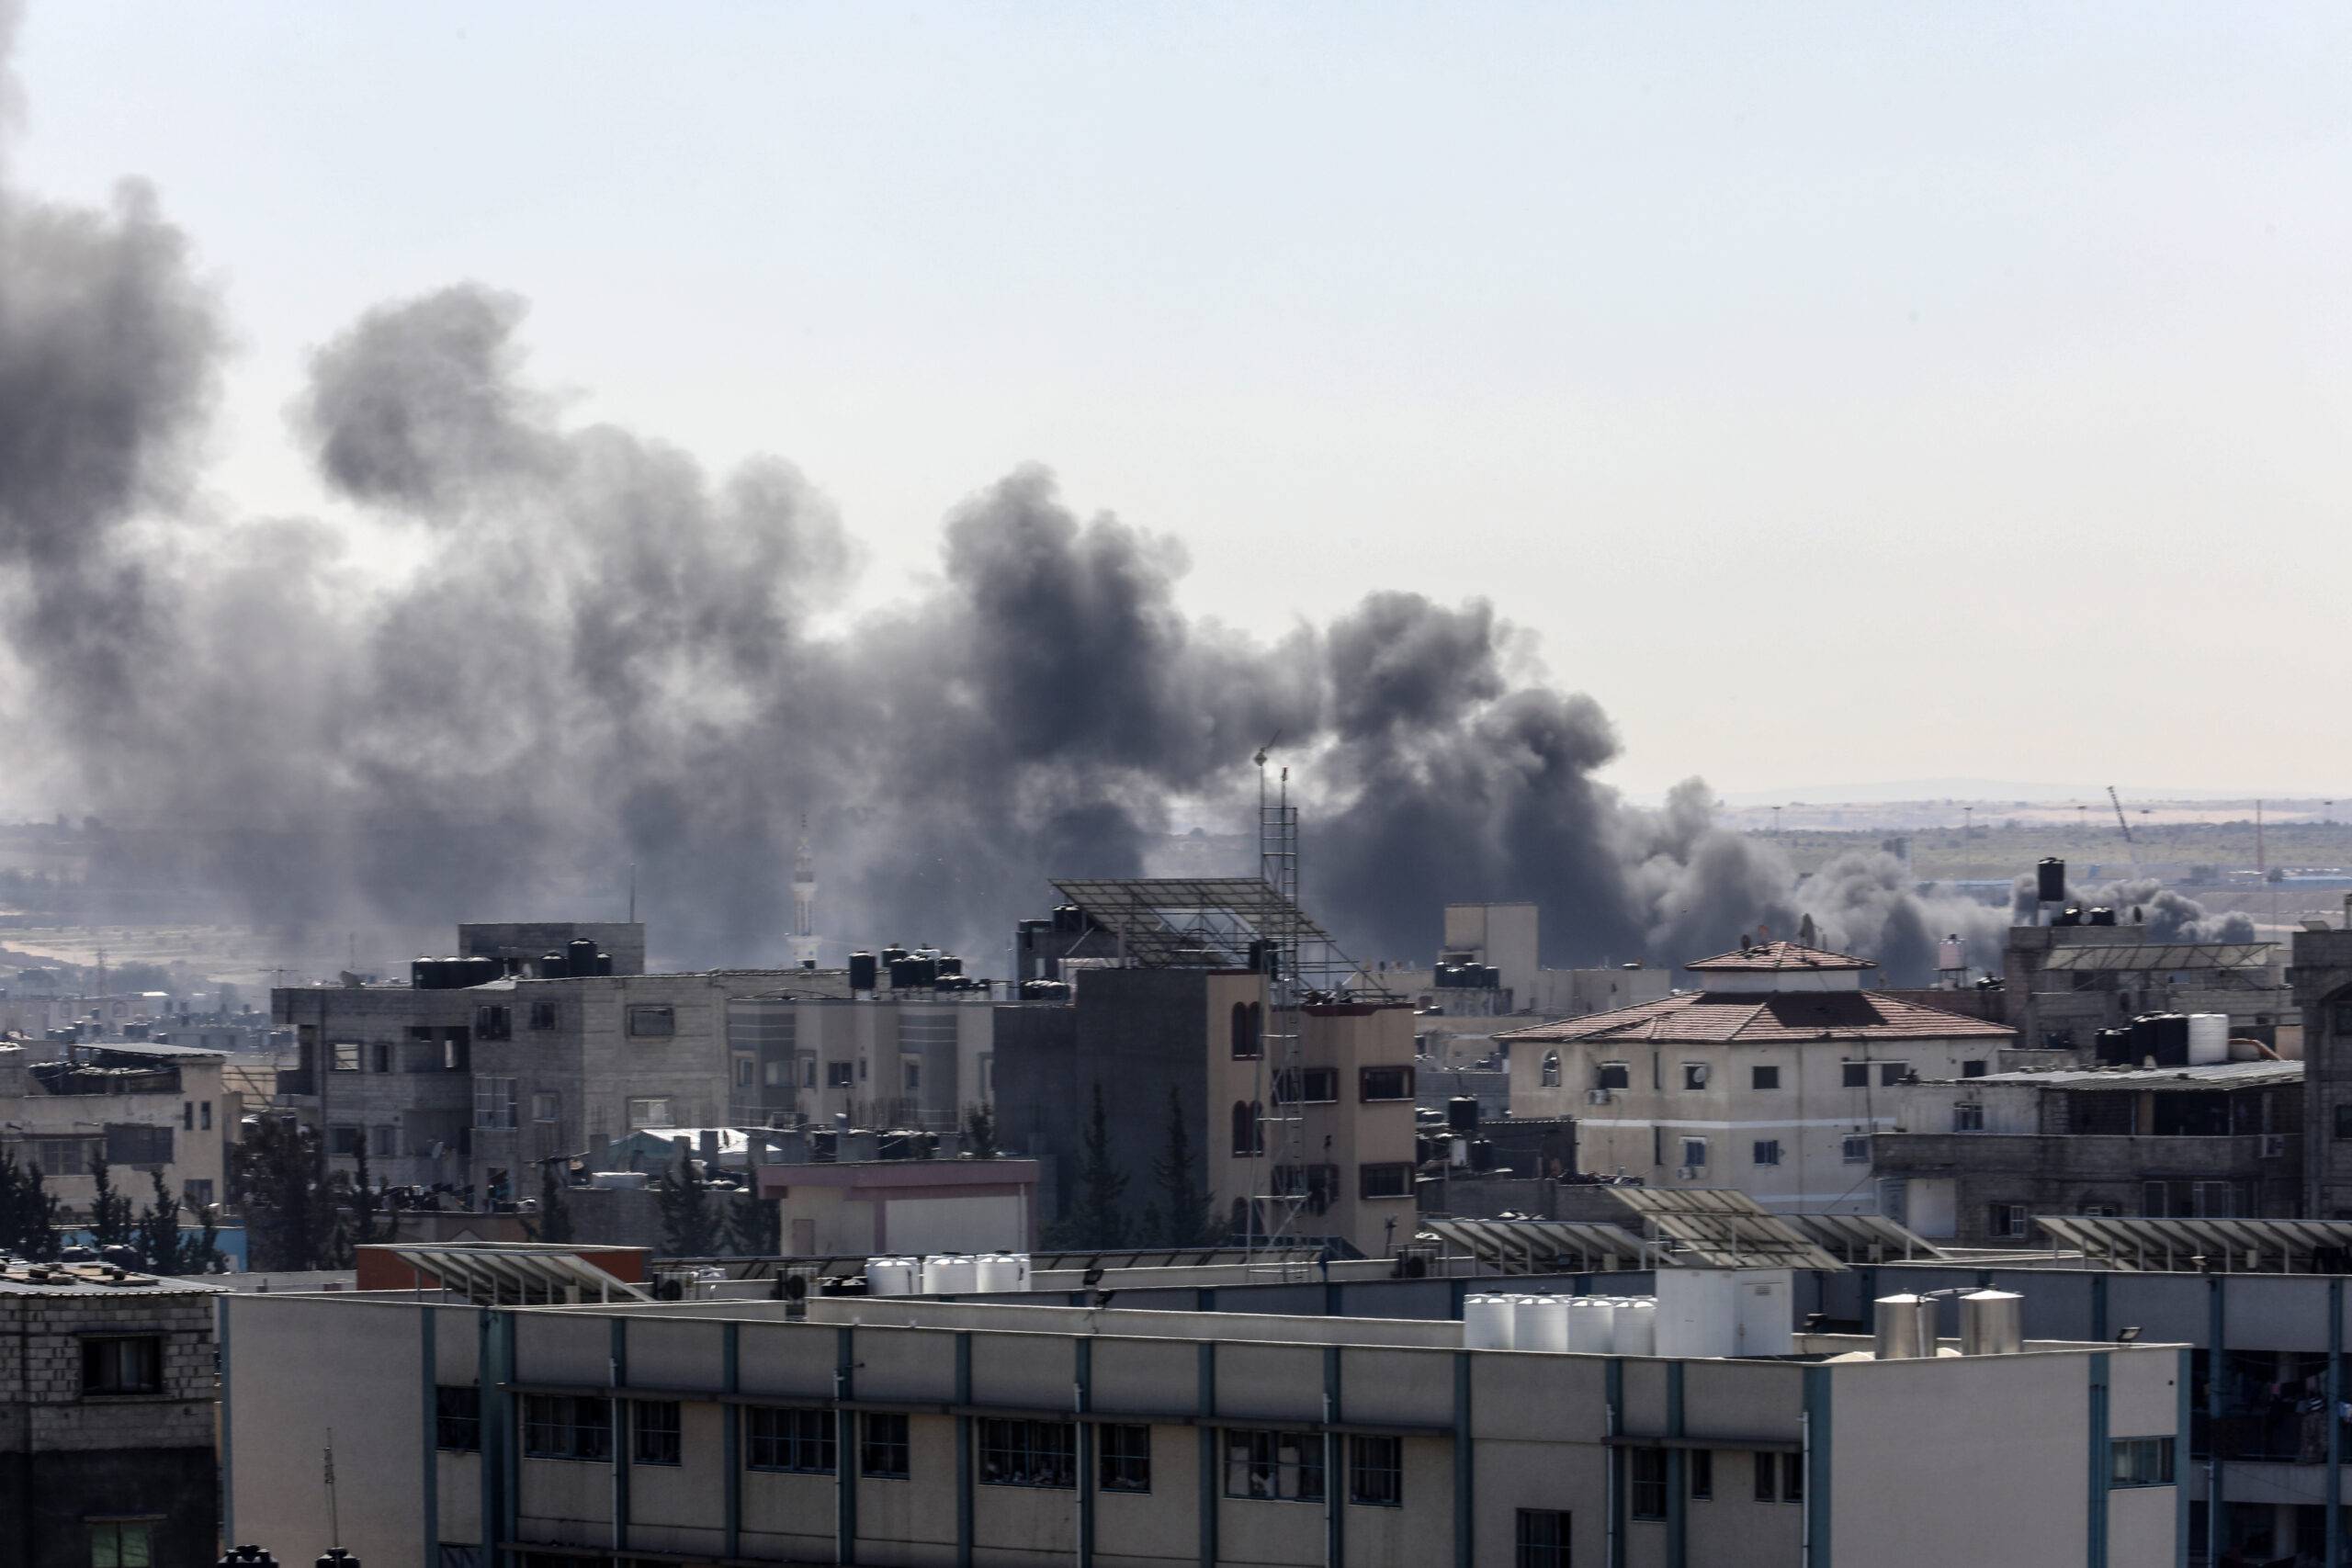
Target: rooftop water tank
<point x="1992" y="1322"/>
<point x="1906" y="1327"/>
<point x="1637" y="1329"/>
<point x="891" y="1275"/>
<point x="2050" y="881"/>
<point x="1488" y="1323"/>
<point x="1592" y="1326"/>
<point x="1540" y="1323"/>
<point x="2208" y="1038"/>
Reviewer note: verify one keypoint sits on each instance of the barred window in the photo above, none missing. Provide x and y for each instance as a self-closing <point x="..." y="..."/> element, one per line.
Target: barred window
<point x="1126" y="1458"/>
<point x="1646" y="1481"/>
<point x="122" y="1364"/>
<point x="650" y="1023"/>
<point x="1273" y="1465"/>
<point x="563" y="1426"/>
<point x="1028" y="1453"/>
<point x="456" y="1417"/>
<point x="783" y="1438"/>
<point x="882" y="1447"/>
<point x="1377" y="1472"/>
<point x="654" y="1437"/>
<point x="2140" y="1462"/>
<point x="1543" y="1537"/>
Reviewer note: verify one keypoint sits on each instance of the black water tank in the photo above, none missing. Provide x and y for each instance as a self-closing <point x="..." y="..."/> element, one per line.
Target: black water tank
<point x="2100" y="915"/>
<point x="2050" y="881"/>
<point x="950" y="964"/>
<point x="1067" y="919"/>
<point x="2114" y="1047"/>
<point x="604" y="963"/>
<point x="482" y="971"/>
<point x="1482" y="1154"/>
<point x="2172" y="1040"/>
<point x="902" y="970"/>
<point x="554" y="965"/>
<point x="425" y="975"/>
<point x="1461" y="1113"/>
<point x="892" y="953"/>
<point x="580" y="954"/>
<point x="2072" y="915"/>
<point x="861" y="970"/>
<point x="1494" y="978"/>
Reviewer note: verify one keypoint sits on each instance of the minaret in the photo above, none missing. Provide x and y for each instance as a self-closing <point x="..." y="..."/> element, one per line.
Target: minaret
<point x="804" y="902"/>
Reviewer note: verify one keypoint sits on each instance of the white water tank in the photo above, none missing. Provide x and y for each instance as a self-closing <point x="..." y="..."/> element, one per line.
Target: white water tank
<point x="1592" y="1326"/>
<point x="619" y="1181"/>
<point x="1637" y="1329"/>
<point x="1487" y="1323"/>
<point x="1021" y="1264"/>
<point x="1697" y="1312"/>
<point x="994" y="1273"/>
<point x="1541" y="1322"/>
<point x="2208" y="1038"/>
<point x="891" y="1275"/>
<point x="1904" y="1327"/>
<point x="948" y="1273"/>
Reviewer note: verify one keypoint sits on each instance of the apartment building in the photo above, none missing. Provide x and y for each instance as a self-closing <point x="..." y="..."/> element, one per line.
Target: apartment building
<point x="1769" y="1077"/>
<point x="139" y="1108"/>
<point x="911" y="1431"/>
<point x="106" y="1403"/>
<point x="2064" y="983"/>
<point x="2321" y="978"/>
<point x="1973" y="1160"/>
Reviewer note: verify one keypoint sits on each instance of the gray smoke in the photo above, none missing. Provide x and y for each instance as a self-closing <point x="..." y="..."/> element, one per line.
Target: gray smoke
<point x="609" y="657"/>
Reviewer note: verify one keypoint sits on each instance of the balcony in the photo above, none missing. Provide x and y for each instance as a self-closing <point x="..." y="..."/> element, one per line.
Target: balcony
<point x="2087" y="1155"/>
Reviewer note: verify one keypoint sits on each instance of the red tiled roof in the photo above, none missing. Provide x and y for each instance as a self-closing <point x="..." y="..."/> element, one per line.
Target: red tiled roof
<point x="1775" y="955"/>
<point x="1778" y="1018"/>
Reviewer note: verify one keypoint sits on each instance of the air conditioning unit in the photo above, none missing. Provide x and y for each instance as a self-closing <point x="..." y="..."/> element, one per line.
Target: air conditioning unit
<point x="1597" y="1097"/>
<point x="2274" y="1146"/>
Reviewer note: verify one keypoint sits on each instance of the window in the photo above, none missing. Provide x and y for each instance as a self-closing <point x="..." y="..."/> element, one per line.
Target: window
<point x="649" y="1111"/>
<point x="2004" y="1219"/>
<point x="1967" y="1118"/>
<point x="2343" y="1015"/>
<point x="563" y="1426"/>
<point x="198" y="1190"/>
<point x="494" y="1023"/>
<point x="1645" y="1483"/>
<point x="493" y="1102"/>
<point x="1767" y="1151"/>
<point x="1615" y="1075"/>
<point x="383" y="1054"/>
<point x="1126" y="1458"/>
<point x="1248" y="1042"/>
<point x="1385" y="1180"/>
<point x="1763" y="1077"/>
<point x="1701" y="1463"/>
<point x="456" y="1417"/>
<point x="653" y="1431"/>
<point x="1387" y="1083"/>
<point x="1694" y="1074"/>
<point x="123" y="1364"/>
<point x="458" y="1051"/>
<point x="1768" y="1471"/>
<point x="384" y="1140"/>
<point x="1892" y="1072"/>
<point x="1551" y="1069"/>
<point x="912" y="1072"/>
<point x="543" y="1105"/>
<point x="347" y="1056"/>
<point x="1248" y="1129"/>
<point x="129" y="1144"/>
<point x="1309" y="1086"/>
<point x="779" y="1438"/>
<point x="343" y="1142"/>
<point x="61" y="1156"/>
<point x="1780" y="1478"/>
<point x="1543" y="1539"/>
<point x="1694" y="1153"/>
<point x="120" y="1543"/>
<point x="542" y="1015"/>
<point x="204" y="1115"/>
<point x="2140" y="1462"/>
<point x="1377" y="1472"/>
<point x="1854" y="1149"/>
<point x="648" y="1022"/>
<point x="1028" y="1453"/>
<point x="1283" y="1467"/>
<point x="840" y="1075"/>
<point x="1857" y="1075"/>
<point x="2343" y="1121"/>
<point x="883" y="1452"/>
<point x="188" y="1116"/>
<point x="1974" y="1068"/>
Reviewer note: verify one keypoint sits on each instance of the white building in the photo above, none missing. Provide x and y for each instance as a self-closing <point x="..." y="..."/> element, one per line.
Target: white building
<point x="1770" y="1078"/>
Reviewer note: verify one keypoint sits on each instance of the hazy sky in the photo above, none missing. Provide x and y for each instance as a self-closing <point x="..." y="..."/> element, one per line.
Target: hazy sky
<point x="1839" y="394"/>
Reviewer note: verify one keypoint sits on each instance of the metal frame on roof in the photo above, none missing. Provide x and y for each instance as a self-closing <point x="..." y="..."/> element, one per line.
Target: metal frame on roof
<point x="2163" y="955"/>
<point x="525" y="1276"/>
<point x="1715" y="1228"/>
<point x="1864" y="1238"/>
<point x="1545" y="1247"/>
<point x="1164" y="922"/>
<point x="2206" y="1245"/>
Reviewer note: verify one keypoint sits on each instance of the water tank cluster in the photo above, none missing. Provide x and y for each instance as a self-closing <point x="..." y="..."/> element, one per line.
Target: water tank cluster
<point x="1469" y="978"/>
<point x="454" y="973"/>
<point x="1992" y="1322"/>
<point x="907" y="970"/>
<point x="2169" y="1039"/>
<point x="1044" y="990"/>
<point x="1595" y="1325"/>
<point x="948" y="1274"/>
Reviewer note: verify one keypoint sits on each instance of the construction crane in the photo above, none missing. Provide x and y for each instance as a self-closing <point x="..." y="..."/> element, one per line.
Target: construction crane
<point x="2125" y="823"/>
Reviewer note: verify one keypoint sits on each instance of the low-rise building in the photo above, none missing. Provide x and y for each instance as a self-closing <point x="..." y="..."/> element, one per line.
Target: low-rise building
<point x="1974" y="1161"/>
<point x="2064" y="983"/>
<point x="1770" y="1078"/>
<point x="106" y="1406"/>
<point x="138" y="1107"/>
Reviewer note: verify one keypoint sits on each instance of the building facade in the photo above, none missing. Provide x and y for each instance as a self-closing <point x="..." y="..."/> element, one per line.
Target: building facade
<point x="1771" y="1078"/>
<point x="141" y="1109"/>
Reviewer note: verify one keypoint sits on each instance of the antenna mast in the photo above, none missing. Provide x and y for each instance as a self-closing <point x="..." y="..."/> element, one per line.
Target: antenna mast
<point x="1281" y="1043"/>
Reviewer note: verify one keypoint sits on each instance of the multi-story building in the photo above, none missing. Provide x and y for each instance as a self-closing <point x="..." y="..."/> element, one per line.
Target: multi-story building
<point x="1771" y="1078"/>
<point x="911" y="1431"/>
<point x="2322" y="977"/>
<point x="2064" y="983"/>
<point x="139" y="1107"/>
<point x="1973" y="1160"/>
<point x="107" y="1405"/>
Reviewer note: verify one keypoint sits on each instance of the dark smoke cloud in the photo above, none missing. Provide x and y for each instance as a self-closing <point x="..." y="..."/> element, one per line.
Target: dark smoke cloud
<point x="608" y="656"/>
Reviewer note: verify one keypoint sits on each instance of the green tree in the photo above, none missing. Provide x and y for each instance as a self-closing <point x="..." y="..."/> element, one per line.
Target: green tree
<point x="689" y="1228"/>
<point x="279" y="1175"/>
<point x="554" y="1221"/>
<point x="112" y="1223"/>
<point x="980" y="1131"/>
<point x="201" y="1255"/>
<point x="157" y="1233"/>
<point x="754" y="1226"/>
<point x="1181" y="1212"/>
<point x="365" y="1199"/>
<point x="37" y="1240"/>
<point x="1097" y="1219"/>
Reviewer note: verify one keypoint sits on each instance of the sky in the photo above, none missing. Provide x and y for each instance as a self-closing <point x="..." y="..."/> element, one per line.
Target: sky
<point x="1834" y="393"/>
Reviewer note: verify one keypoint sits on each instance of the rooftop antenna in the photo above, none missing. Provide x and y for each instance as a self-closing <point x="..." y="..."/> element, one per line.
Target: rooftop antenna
<point x="632" y="893"/>
<point x="335" y="1522"/>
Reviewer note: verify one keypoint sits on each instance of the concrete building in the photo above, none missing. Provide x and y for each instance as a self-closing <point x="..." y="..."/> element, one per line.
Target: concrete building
<point x="2064" y="983"/>
<point x="526" y="942"/>
<point x="139" y="1107"/>
<point x="919" y="1432"/>
<point x="107" y="1409"/>
<point x="1974" y="1161"/>
<point x="1771" y="1078"/>
<point x="1490" y="966"/>
<point x="874" y="1207"/>
<point x="2322" y="977"/>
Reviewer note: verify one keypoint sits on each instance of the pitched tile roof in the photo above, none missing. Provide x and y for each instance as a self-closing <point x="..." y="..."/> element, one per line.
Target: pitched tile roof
<point x="1766" y="957"/>
<point x="1776" y="1019"/>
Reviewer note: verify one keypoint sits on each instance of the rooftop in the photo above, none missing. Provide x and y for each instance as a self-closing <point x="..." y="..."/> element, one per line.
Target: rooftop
<point x="94" y="1279"/>
<point x="2217" y="1075"/>
<point x="1771" y="1019"/>
<point x="1774" y="957"/>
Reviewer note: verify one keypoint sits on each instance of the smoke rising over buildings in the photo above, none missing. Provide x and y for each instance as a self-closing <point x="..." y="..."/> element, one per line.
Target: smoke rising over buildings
<point x="609" y="656"/>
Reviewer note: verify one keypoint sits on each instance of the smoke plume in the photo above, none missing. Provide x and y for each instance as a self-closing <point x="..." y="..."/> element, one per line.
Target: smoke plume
<point x="609" y="658"/>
